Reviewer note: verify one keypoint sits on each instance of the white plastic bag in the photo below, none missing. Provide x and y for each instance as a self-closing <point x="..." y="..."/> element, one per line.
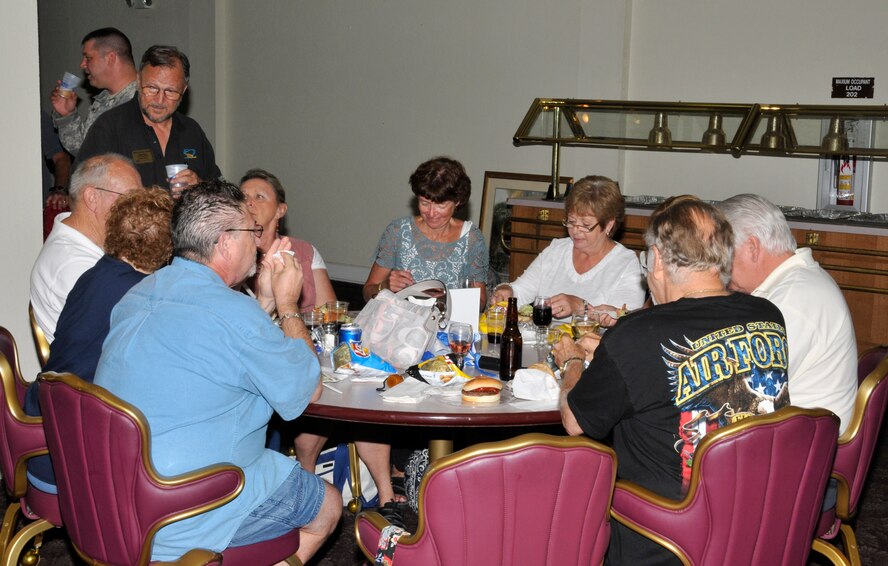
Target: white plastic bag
<point x="396" y="330"/>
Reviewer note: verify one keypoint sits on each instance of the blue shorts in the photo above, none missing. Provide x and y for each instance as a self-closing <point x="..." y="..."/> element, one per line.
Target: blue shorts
<point x="292" y="505"/>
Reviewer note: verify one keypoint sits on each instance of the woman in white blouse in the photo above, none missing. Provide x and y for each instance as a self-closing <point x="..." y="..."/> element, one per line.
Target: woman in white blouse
<point x="588" y="267"/>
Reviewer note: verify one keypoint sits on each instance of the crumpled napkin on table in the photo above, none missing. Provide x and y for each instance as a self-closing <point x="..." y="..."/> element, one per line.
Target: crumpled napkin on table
<point x="535" y="385"/>
<point x="408" y="391"/>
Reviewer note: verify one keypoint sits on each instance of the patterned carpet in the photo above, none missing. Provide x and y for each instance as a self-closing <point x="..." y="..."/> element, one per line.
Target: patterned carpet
<point x="872" y="536"/>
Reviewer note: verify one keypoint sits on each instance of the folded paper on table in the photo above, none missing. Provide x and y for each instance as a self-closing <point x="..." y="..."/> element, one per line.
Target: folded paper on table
<point x="535" y="385"/>
<point x="464" y="305"/>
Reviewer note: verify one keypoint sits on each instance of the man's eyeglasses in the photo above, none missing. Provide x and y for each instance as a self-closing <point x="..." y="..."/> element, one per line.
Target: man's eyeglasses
<point x="107" y="190"/>
<point x="581" y="228"/>
<point x="257" y="231"/>
<point x="643" y="260"/>
<point x="168" y="93"/>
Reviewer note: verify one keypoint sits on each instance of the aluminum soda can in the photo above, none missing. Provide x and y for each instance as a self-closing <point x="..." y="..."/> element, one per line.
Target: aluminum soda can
<point x="350" y="333"/>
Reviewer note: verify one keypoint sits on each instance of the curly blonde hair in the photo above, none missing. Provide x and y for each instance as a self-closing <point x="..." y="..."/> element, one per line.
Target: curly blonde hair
<point x="138" y="229"/>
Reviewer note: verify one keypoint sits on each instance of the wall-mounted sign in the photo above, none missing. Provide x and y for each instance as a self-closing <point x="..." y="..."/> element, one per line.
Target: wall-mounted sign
<point x="853" y="87"/>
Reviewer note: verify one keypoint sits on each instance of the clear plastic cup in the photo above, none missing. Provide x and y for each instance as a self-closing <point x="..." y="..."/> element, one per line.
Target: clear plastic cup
<point x="70" y="81"/>
<point x="176" y="187"/>
<point x="496" y="323"/>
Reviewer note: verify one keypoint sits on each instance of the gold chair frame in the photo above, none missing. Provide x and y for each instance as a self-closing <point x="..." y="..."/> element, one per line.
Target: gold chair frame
<point x="40" y="341"/>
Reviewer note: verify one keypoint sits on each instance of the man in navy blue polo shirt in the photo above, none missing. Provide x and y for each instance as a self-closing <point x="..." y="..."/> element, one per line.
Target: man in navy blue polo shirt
<point x="149" y="129"/>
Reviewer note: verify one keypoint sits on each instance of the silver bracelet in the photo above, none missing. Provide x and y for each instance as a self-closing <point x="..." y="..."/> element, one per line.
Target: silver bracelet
<point x="287" y="315"/>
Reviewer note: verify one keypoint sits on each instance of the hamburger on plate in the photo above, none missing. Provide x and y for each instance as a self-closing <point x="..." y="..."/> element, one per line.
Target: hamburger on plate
<point x="482" y="390"/>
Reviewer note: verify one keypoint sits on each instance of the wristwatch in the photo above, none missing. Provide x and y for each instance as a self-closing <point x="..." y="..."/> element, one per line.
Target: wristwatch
<point x="567" y="361"/>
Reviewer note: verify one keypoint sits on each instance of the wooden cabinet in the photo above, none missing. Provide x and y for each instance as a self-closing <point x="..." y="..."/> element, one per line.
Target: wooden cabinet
<point x="855" y="256"/>
<point x="531" y="230"/>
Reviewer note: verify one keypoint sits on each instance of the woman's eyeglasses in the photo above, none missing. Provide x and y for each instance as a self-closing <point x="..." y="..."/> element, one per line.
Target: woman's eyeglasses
<point x="581" y="228"/>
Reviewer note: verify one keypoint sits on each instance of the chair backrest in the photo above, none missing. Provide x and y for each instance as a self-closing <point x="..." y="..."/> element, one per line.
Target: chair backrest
<point x="111" y="498"/>
<point x="9" y="349"/>
<point x="21" y="436"/>
<point x="868" y="360"/>
<point x="40" y="341"/>
<point x="535" y="499"/>
<point x="756" y="490"/>
<point x="858" y="442"/>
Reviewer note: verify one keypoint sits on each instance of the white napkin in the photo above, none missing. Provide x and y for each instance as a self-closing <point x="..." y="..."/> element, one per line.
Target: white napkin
<point x="535" y="385"/>
<point x="408" y="391"/>
<point x="528" y="334"/>
<point x="359" y="374"/>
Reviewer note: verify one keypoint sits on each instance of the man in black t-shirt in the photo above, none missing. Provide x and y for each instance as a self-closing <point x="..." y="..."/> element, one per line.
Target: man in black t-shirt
<point x="662" y="378"/>
<point x="151" y="131"/>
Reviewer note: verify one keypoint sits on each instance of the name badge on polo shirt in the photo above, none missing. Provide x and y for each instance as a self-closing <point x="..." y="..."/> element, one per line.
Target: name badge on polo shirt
<point x="143" y="156"/>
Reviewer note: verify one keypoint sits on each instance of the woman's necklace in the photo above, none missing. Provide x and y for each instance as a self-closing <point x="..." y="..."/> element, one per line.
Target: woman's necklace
<point x="715" y="291"/>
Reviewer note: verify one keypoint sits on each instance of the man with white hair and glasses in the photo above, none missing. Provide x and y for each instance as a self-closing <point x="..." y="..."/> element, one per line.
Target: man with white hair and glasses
<point x="77" y="238"/>
<point x="663" y="377"/>
<point x="823" y="358"/>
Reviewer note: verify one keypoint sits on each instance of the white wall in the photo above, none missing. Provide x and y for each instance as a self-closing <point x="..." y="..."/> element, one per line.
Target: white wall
<point x="189" y="25"/>
<point x="343" y="99"/>
<point x="21" y="225"/>
<point x="751" y="51"/>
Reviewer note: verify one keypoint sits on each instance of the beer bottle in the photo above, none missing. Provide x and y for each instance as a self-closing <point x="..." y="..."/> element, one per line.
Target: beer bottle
<point x="510" y="347"/>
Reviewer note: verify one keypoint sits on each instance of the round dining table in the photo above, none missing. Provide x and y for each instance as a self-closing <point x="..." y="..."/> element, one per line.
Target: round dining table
<point x="359" y="401"/>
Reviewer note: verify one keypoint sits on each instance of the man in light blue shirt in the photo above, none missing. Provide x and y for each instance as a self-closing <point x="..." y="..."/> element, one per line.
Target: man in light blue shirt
<point x="208" y="367"/>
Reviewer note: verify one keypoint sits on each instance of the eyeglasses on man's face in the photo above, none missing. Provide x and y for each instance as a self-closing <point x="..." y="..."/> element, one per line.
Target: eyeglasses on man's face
<point x="581" y="228"/>
<point x="107" y="190"/>
<point x="257" y="231"/>
<point x="643" y="258"/>
<point x="168" y="93"/>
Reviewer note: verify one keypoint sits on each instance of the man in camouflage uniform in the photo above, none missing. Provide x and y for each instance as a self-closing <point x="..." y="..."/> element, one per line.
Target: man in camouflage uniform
<point x="108" y="64"/>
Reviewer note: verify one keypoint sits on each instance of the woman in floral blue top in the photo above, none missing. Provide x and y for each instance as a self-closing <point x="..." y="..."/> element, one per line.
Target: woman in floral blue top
<point x="433" y="245"/>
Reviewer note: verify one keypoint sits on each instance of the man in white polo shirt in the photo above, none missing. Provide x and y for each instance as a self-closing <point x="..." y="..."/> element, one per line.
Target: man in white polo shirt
<point x="822" y="345"/>
<point x="77" y="238"/>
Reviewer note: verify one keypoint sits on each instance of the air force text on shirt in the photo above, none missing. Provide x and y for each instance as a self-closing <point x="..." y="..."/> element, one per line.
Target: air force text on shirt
<point x="720" y="355"/>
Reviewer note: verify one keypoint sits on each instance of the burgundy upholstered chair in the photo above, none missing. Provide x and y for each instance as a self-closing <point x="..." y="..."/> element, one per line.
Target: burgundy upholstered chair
<point x="534" y="499"/>
<point x="40" y="341"/>
<point x="755" y="493"/>
<point x="112" y="499"/>
<point x="854" y="455"/>
<point x="21" y="438"/>
<point x="868" y="360"/>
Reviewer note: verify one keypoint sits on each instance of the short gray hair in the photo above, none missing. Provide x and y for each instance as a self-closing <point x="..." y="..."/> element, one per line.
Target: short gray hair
<point x="201" y="215"/>
<point x="94" y="172"/>
<point x="754" y="215"/>
<point x="691" y="235"/>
